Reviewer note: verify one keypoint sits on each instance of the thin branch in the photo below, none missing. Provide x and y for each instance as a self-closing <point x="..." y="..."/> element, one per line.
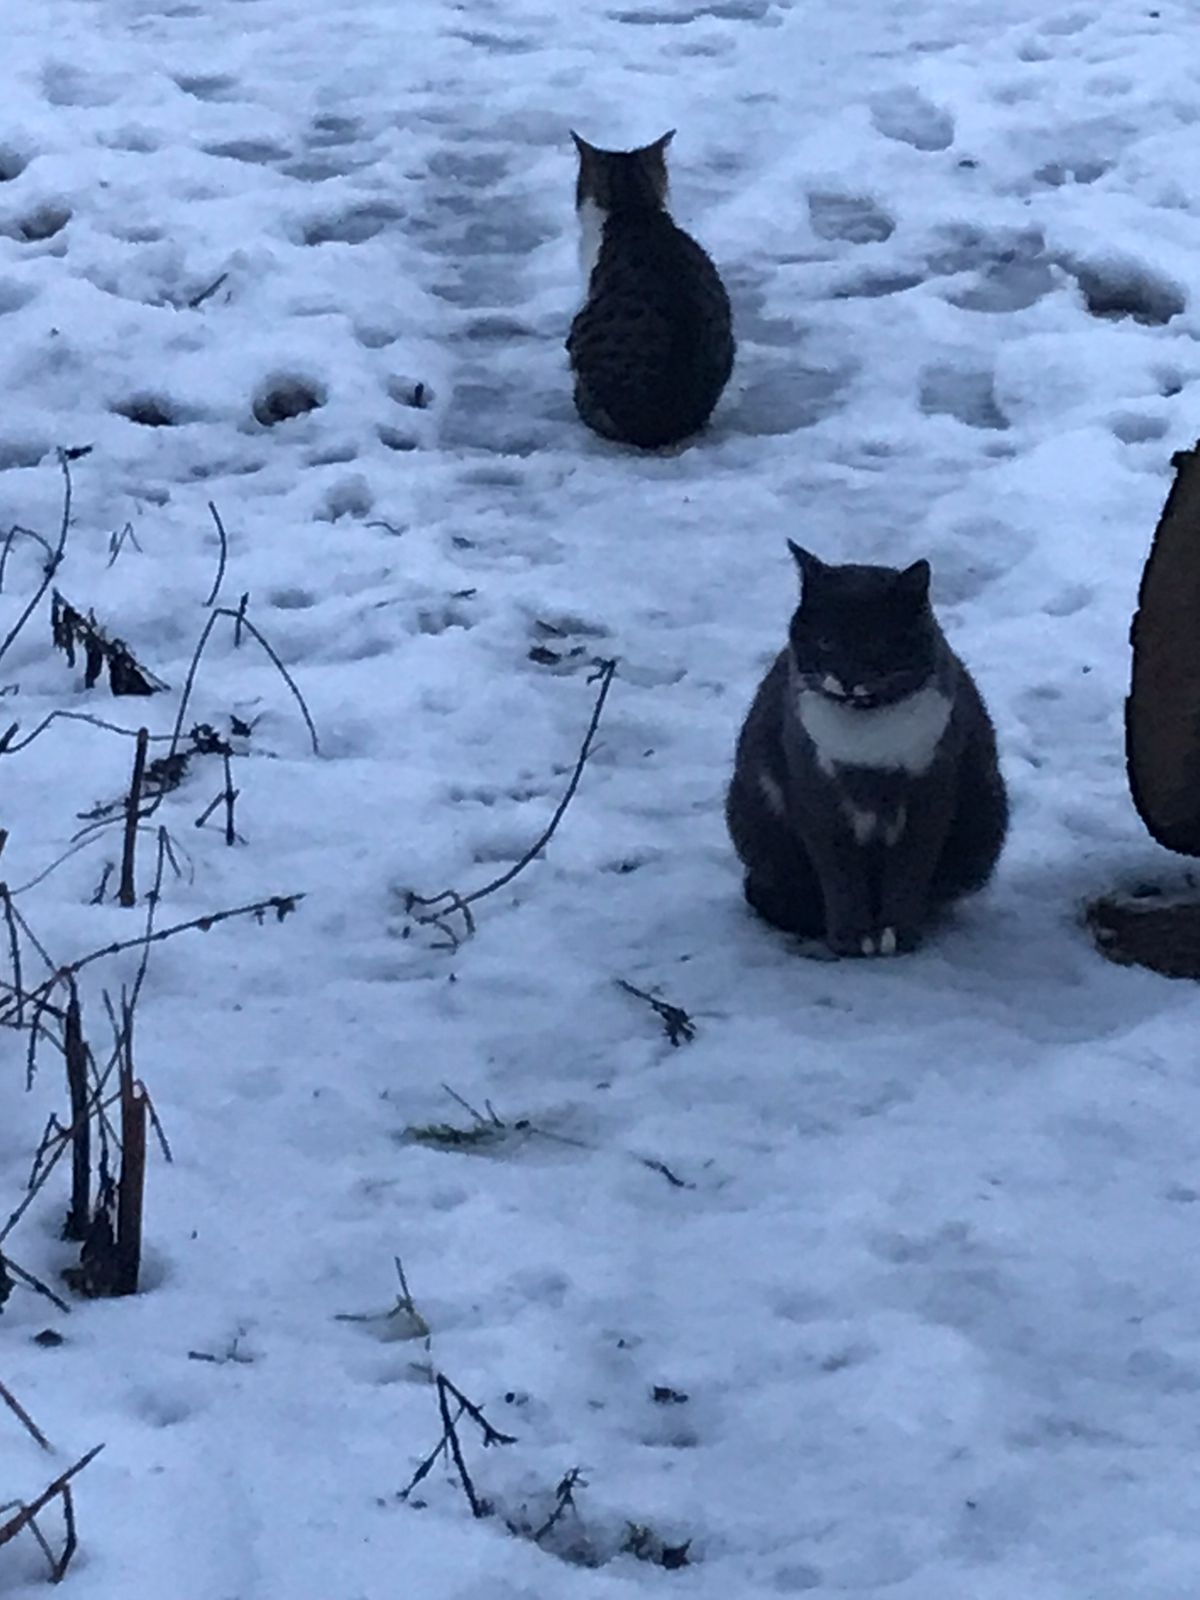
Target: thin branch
<point x="564" y="1501"/>
<point x="78" y="1056"/>
<point x="677" y="1025"/>
<point x="254" y="633"/>
<point x="58" y="1569"/>
<point x="9" y="744"/>
<point x="280" y="904"/>
<point x="435" y="908"/>
<point x="491" y="1435"/>
<point x="116" y="543"/>
<point x="38" y="1181"/>
<point x="90" y="836"/>
<point x="22" y="1416"/>
<point x="10" y="1529"/>
<point x="240" y="621"/>
<point x="224" y="556"/>
<point x="198" y="300"/>
<point x="36" y="1284"/>
<point x="54" y="561"/>
<point x="14" y="953"/>
<point x="15" y="532"/>
<point x="450" y="1434"/>
<point x="449" y="1442"/>
<point x="127" y="891"/>
<point x="132" y="1187"/>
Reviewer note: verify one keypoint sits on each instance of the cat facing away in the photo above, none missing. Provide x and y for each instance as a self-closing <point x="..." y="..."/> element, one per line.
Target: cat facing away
<point x="866" y="790"/>
<point x="652" y="348"/>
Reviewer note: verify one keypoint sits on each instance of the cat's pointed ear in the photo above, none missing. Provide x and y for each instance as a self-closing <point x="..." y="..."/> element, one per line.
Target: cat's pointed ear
<point x="808" y="563"/>
<point x="660" y="145"/>
<point x="581" y="143"/>
<point x="913" y="582"/>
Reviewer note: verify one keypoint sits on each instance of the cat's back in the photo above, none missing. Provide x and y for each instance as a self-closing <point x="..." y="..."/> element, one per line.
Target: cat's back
<point x="645" y="257"/>
<point x="653" y="346"/>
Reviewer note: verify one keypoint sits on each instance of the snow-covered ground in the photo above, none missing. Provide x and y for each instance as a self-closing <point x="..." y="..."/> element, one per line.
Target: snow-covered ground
<point x="920" y="1260"/>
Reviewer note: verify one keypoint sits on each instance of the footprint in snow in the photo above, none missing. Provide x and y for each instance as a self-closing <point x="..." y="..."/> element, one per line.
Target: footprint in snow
<point x="908" y="117"/>
<point x="854" y="218"/>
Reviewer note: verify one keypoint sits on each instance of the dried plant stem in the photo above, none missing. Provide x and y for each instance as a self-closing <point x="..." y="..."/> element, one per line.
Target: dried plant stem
<point x="9" y="745"/>
<point x="22" y="1416"/>
<point x="434" y="909"/>
<point x="26" y="1513"/>
<point x="240" y="621"/>
<point x="53" y="562"/>
<point x="76" y="1052"/>
<point x="14" y="955"/>
<point x="280" y="904"/>
<point x="38" y="1287"/>
<point x="127" y="892"/>
<point x="224" y="556"/>
<point x="132" y="1187"/>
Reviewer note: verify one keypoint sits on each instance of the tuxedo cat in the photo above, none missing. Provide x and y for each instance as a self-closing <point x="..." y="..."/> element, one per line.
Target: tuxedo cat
<point x="866" y="790"/>
<point x="652" y="348"/>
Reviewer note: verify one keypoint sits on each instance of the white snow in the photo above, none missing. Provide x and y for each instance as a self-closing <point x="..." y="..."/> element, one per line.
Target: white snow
<point x="920" y="1257"/>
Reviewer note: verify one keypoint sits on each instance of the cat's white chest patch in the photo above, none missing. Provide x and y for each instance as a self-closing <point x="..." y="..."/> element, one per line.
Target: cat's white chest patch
<point x="591" y="233"/>
<point x="900" y="738"/>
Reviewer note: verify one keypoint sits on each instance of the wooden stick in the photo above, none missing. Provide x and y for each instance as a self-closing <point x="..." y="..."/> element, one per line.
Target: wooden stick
<point x="132" y="1188"/>
<point x="76" y="1053"/>
<point x="127" y="893"/>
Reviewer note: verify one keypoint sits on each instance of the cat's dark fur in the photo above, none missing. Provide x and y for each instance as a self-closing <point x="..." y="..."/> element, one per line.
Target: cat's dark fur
<point x="653" y="347"/>
<point x="866" y="791"/>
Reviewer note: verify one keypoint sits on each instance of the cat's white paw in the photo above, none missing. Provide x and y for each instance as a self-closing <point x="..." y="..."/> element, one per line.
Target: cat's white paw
<point x="869" y="945"/>
<point x="888" y="944"/>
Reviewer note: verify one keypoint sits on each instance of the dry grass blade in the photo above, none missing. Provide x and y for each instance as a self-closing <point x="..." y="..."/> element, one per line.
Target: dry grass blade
<point x="53" y="562"/>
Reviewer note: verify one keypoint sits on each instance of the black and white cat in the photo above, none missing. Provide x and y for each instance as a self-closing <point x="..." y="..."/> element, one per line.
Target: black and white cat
<point x="653" y="346"/>
<point x="866" y="790"/>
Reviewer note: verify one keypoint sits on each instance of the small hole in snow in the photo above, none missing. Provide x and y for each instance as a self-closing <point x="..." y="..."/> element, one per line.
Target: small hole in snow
<point x="148" y="410"/>
<point x="42" y="223"/>
<point x="12" y="163"/>
<point x="281" y="399"/>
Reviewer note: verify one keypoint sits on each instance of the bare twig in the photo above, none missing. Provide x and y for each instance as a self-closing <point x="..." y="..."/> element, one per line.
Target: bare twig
<point x="14" y="953"/>
<point x="17" y="532"/>
<point x="677" y="1025"/>
<point x="564" y="1501"/>
<point x="21" y="1518"/>
<point x="127" y="892"/>
<point x="227" y="798"/>
<point x="240" y="621"/>
<point x="131" y="1190"/>
<point x="280" y="904"/>
<point x="661" y="1167"/>
<point x="450" y="1442"/>
<point x="53" y="562"/>
<point x="37" y="1182"/>
<point x="198" y="300"/>
<point x="116" y="543"/>
<point x="90" y="836"/>
<point x="224" y="556"/>
<point x="22" y="1416"/>
<point x="9" y="744"/>
<point x="434" y="909"/>
<point x="450" y="1434"/>
<point x="58" y="1569"/>
<point x="38" y="1287"/>
<point x="81" y="1128"/>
